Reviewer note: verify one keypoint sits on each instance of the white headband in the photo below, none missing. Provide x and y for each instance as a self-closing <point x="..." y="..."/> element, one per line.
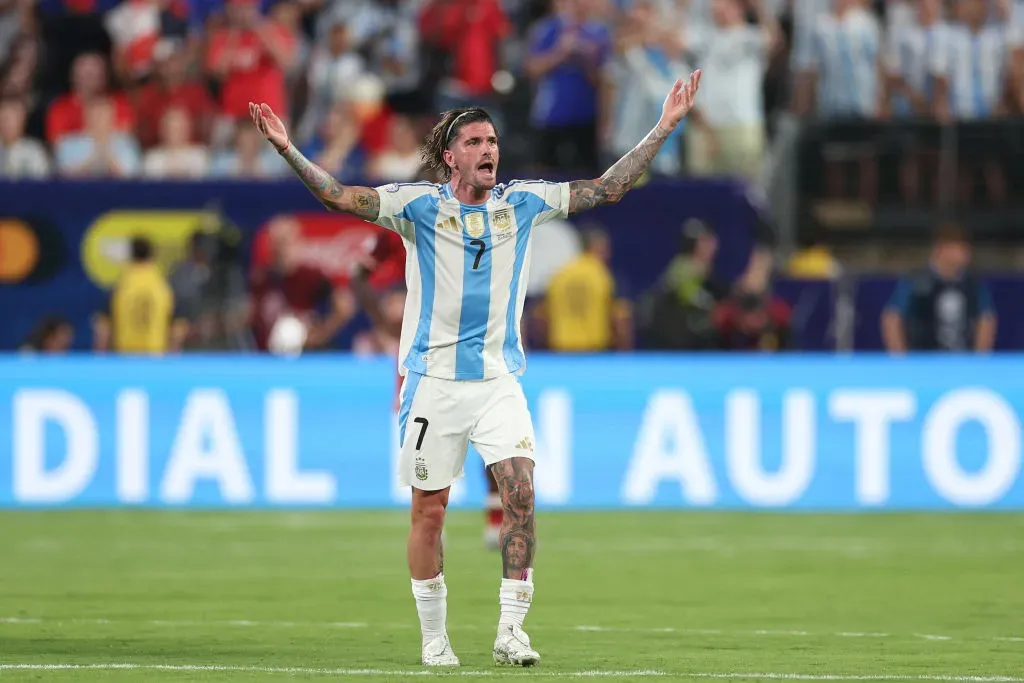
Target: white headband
<point x="448" y="137"/>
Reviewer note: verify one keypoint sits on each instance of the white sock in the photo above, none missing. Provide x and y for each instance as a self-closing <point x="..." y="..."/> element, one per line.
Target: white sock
<point x="515" y="598"/>
<point x="432" y="605"/>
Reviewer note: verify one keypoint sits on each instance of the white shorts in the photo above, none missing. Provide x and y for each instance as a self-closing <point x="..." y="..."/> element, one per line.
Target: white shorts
<point x="439" y="418"/>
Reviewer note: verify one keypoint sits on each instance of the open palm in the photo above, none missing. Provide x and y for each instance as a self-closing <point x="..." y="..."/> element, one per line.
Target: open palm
<point x="269" y="124"/>
<point x="680" y="100"/>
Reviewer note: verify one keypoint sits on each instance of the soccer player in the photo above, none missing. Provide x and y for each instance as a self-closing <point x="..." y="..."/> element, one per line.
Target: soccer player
<point x="468" y="259"/>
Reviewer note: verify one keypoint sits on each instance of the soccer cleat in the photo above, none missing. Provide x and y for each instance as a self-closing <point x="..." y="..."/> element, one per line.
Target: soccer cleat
<point x="512" y="647"/>
<point x="438" y="652"/>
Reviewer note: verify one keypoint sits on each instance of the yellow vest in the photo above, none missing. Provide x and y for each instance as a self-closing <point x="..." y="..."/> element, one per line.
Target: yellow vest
<point x="579" y="306"/>
<point x="140" y="309"/>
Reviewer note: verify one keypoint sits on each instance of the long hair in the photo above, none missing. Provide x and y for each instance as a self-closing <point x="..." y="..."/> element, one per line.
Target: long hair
<point x="444" y="132"/>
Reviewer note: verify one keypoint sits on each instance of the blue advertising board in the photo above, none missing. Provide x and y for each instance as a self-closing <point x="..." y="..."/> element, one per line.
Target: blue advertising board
<point x="733" y="432"/>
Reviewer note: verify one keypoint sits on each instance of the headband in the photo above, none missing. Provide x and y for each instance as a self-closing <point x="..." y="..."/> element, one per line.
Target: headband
<point x="448" y="137"/>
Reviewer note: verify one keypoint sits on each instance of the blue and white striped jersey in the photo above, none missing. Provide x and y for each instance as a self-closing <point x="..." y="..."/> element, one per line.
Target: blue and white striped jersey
<point x="845" y="54"/>
<point x="467" y="267"/>
<point x="977" y="69"/>
<point x="918" y="54"/>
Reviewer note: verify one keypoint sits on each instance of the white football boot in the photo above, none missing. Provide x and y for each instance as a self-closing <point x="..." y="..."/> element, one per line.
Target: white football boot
<point x="512" y="647"/>
<point x="438" y="652"/>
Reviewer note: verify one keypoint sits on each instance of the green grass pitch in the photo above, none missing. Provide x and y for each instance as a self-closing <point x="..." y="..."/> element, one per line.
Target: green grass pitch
<point x="632" y="595"/>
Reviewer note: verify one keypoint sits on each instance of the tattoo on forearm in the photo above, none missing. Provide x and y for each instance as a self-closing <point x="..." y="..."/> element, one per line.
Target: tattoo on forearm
<point x="514" y="477"/>
<point x="360" y="201"/>
<point x="617" y="180"/>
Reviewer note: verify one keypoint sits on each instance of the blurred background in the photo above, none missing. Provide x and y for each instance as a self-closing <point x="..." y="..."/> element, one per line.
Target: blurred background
<point x="847" y="182"/>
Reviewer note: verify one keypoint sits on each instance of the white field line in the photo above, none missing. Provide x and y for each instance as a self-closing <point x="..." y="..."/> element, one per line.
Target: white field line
<point x="248" y="623"/>
<point x="586" y="673"/>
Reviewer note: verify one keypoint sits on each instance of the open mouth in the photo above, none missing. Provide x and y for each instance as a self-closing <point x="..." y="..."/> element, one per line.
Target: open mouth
<point x="486" y="167"/>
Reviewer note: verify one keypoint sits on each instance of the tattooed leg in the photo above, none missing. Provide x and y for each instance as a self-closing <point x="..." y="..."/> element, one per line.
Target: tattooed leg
<point x="518" y="539"/>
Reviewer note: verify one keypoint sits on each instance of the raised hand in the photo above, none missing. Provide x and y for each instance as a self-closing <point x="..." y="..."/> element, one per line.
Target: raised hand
<point x="269" y="124"/>
<point x="679" y="101"/>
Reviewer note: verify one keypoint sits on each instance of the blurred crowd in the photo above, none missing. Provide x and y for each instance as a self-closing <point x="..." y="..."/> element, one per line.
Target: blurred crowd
<point x="160" y="88"/>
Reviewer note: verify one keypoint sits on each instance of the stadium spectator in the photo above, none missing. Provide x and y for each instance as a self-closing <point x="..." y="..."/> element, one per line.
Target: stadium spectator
<point x="100" y="151"/>
<point x="753" y="320"/>
<point x="471" y="32"/>
<point x="916" y="87"/>
<point x="66" y="114"/>
<point x="249" y="57"/>
<point x="648" y="59"/>
<point x="172" y="88"/>
<point x="53" y="334"/>
<point x="580" y="311"/>
<point x="400" y="161"/>
<point x="979" y="88"/>
<point x="337" y="149"/>
<point x="945" y="307"/>
<point x="141" y="317"/>
<point x="370" y="110"/>
<point x="210" y="293"/>
<point x="20" y="156"/>
<point x="841" y="73"/>
<point x="385" y="312"/>
<point x="134" y="29"/>
<point x="20" y="70"/>
<point x="249" y="158"/>
<point x="677" y="312"/>
<point x="568" y="53"/>
<point x="393" y="54"/>
<point x="727" y="135"/>
<point x="290" y="287"/>
<point x="177" y="156"/>
<point x="813" y="259"/>
<point x="333" y="66"/>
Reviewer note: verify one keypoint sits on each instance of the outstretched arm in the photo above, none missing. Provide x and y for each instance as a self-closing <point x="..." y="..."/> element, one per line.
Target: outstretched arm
<point x="363" y="202"/>
<point x="617" y="180"/>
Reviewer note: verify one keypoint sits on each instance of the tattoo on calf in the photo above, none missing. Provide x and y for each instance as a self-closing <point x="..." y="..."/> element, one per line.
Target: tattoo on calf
<point x="518" y="530"/>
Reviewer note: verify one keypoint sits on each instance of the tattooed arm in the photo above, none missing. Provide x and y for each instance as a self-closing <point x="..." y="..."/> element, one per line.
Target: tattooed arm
<point x="617" y="180"/>
<point x="363" y="202"/>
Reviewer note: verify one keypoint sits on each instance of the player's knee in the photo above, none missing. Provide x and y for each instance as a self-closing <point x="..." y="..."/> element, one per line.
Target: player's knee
<point x="428" y="517"/>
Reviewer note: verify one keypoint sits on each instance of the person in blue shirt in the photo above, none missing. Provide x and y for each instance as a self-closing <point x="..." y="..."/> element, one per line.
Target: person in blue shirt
<point x="567" y="55"/>
<point x="944" y="307"/>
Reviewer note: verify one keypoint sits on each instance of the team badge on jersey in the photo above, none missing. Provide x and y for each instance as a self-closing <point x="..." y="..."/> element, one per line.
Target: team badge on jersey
<point x="502" y="220"/>
<point x="421" y="469"/>
<point x="474" y="224"/>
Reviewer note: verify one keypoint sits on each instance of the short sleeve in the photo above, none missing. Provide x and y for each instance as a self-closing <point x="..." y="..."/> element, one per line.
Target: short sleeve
<point x="900" y="299"/>
<point x="544" y="201"/>
<point x="397" y="203"/>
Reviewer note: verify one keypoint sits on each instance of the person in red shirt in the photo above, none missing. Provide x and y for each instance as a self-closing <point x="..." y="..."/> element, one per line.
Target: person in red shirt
<point x="471" y="31"/>
<point x="66" y="114"/>
<point x="250" y="56"/>
<point x="753" y="321"/>
<point x="289" y="287"/>
<point x="171" y="89"/>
